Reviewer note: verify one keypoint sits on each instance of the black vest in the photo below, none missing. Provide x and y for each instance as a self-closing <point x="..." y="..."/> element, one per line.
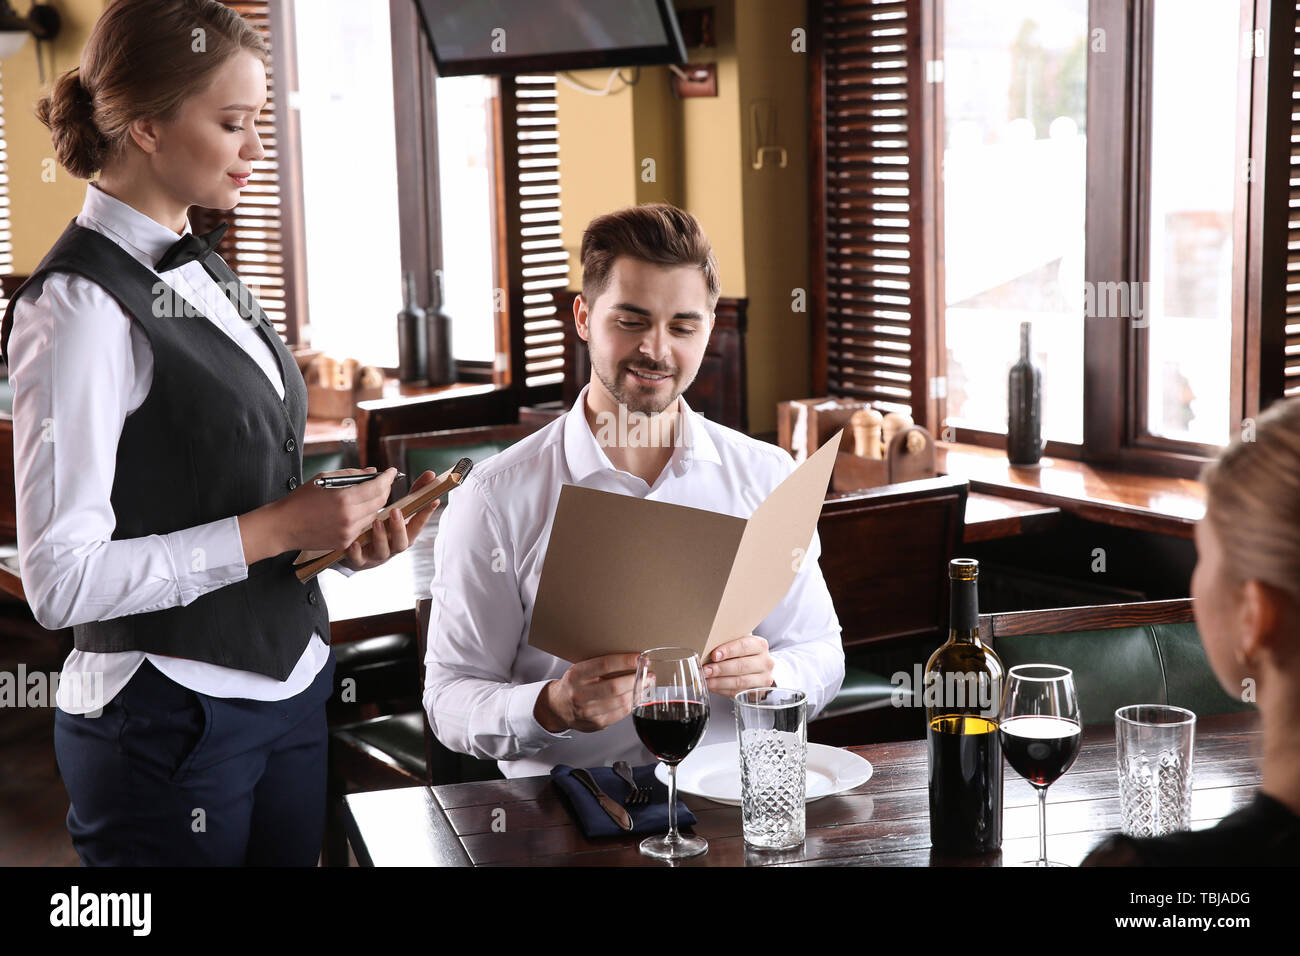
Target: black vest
<point x="211" y="440"/>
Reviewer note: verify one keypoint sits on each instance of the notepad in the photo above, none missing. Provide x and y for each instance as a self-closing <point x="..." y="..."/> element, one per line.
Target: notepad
<point x="625" y="574"/>
<point x="308" y="564"/>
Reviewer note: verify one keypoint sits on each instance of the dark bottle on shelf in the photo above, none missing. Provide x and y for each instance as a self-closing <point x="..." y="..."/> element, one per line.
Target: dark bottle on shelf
<point x="441" y="364"/>
<point x="1024" y="407"/>
<point x="963" y="695"/>
<point x="412" y="349"/>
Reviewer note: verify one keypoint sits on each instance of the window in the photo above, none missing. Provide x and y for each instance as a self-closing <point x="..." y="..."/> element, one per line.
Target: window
<point x="344" y="102"/>
<point x="1096" y="168"/>
<point x="459" y="175"/>
<point x="1015" y="149"/>
<point x="262" y="242"/>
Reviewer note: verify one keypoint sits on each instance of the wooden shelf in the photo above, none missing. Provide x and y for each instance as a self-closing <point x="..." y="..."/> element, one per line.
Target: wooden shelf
<point x="1163" y="505"/>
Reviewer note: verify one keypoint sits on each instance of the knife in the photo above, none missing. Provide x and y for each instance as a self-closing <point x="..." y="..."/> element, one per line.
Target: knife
<point x="607" y="803"/>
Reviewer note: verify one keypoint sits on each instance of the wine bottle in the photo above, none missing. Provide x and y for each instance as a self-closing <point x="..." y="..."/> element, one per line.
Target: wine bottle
<point x="1024" y="407"/>
<point x="411" y="347"/>
<point x="441" y="364"/>
<point x="963" y="694"/>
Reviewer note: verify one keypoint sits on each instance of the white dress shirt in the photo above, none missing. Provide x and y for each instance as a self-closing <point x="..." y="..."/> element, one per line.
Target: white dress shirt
<point x="481" y="676"/>
<point x="79" y="366"/>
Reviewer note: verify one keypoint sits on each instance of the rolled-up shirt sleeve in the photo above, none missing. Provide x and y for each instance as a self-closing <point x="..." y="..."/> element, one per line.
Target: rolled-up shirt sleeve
<point x="476" y="629"/>
<point x="73" y="364"/>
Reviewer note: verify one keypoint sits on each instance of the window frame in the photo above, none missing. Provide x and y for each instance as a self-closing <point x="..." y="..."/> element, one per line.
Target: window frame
<point x="1117" y="190"/>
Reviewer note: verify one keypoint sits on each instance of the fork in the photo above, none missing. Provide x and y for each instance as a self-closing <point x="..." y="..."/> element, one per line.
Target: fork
<point x="639" y="795"/>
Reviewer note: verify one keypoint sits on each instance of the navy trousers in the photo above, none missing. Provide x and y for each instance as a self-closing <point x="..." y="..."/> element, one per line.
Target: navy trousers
<point x="170" y="777"/>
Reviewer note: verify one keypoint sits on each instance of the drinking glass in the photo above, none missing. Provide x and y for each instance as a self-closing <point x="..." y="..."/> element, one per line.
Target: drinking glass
<point x="1040" y="733"/>
<point x="1153" y="748"/>
<point x="772" y="726"/>
<point x="670" y="713"/>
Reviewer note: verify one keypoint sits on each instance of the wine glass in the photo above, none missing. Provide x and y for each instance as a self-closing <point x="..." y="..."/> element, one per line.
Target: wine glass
<point x="1040" y="732"/>
<point x="670" y="712"/>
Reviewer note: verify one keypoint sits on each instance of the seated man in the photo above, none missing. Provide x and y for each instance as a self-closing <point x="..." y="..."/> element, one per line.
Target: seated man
<point x="649" y="287"/>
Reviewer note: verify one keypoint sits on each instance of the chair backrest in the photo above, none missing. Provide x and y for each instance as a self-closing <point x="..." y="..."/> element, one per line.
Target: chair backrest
<point x="437" y="451"/>
<point x="885" y="554"/>
<point x="1148" y="652"/>
<point x="8" y="486"/>
<point x="450" y="408"/>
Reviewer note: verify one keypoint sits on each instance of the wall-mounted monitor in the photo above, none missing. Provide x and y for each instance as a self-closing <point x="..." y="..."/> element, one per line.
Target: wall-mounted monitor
<point x="525" y="36"/>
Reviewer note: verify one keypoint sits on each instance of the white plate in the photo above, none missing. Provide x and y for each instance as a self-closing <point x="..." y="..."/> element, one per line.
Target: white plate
<point x="714" y="772"/>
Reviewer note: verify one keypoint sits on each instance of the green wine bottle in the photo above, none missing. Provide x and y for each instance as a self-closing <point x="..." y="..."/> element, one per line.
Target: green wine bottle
<point x="962" y="695"/>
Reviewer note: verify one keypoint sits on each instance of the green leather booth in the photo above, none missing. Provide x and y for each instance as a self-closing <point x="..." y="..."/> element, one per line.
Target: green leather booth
<point x="1139" y="664"/>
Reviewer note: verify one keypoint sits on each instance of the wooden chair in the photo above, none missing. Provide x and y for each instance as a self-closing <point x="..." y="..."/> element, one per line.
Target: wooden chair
<point x="455" y="408"/>
<point x="1148" y="652"/>
<point x="885" y="554"/>
<point x="439" y="450"/>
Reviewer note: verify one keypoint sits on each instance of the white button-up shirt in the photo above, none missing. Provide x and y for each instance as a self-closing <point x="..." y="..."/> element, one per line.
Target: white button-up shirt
<point x="79" y="365"/>
<point x="481" y="676"/>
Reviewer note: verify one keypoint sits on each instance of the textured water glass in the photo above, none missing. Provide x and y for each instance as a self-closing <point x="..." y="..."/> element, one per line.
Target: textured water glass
<point x="772" y="727"/>
<point x="1153" y="745"/>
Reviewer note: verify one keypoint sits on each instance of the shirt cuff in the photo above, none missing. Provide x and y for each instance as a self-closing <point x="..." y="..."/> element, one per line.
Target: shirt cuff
<point x="207" y="557"/>
<point x="346" y="572"/>
<point x="522" y="722"/>
<point x="784" y="675"/>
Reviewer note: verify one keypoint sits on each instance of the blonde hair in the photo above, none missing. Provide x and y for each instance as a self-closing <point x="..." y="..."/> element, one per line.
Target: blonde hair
<point x="143" y="59"/>
<point x="1253" y="501"/>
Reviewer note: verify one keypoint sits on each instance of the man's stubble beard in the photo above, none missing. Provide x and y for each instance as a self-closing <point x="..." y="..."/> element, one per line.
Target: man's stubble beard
<point x="620" y="394"/>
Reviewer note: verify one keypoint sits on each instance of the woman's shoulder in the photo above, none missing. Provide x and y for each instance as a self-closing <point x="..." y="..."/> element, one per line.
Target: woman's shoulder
<point x="1263" y="833"/>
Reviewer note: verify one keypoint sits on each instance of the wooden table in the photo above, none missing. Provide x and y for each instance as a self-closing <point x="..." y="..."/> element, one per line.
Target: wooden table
<point x="884" y="822"/>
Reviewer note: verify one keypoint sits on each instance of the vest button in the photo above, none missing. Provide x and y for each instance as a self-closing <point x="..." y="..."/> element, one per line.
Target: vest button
<point x="290" y="444"/>
<point x="292" y="482"/>
<point x="311" y="597"/>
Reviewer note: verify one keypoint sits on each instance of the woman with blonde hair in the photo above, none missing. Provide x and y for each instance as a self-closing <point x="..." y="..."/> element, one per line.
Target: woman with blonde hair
<point x="158" y="430"/>
<point x="1246" y="589"/>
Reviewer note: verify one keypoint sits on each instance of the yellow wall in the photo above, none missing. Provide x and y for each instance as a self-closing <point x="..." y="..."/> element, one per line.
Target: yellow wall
<point x="39" y="210"/>
<point x="773" y="80"/>
<point x="756" y="219"/>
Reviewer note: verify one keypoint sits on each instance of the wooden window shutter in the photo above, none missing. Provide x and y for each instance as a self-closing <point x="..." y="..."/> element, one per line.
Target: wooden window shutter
<point x="869" y="288"/>
<point x="537" y="263"/>
<point x="263" y="243"/>
<point x="1272" y="333"/>
<point x="1291" y="331"/>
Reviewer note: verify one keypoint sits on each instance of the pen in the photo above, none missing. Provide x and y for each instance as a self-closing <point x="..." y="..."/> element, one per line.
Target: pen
<point x="347" y="481"/>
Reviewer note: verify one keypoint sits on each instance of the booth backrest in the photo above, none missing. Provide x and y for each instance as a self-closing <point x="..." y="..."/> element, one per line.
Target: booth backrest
<point x="1143" y="653"/>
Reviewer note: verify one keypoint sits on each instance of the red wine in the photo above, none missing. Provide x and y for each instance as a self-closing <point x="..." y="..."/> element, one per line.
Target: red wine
<point x="965" y="785"/>
<point x="670" y="729"/>
<point x="1040" y="748"/>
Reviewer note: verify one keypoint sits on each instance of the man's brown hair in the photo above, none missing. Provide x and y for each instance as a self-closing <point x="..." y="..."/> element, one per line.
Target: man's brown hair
<point x="654" y="232"/>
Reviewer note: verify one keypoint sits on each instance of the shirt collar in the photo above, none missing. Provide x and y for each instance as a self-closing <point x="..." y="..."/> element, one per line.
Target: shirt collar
<point x="585" y="457"/>
<point x="144" y="235"/>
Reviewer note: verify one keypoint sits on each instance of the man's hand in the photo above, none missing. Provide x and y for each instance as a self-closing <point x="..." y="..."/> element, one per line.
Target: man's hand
<point x="390" y="537"/>
<point x="739" y="665"/>
<point x="589" y="697"/>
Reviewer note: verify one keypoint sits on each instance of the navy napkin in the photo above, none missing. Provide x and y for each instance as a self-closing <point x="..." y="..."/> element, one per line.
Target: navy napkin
<point x="647" y="818"/>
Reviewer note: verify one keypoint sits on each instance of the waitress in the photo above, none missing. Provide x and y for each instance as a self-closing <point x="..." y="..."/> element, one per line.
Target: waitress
<point x="158" y="459"/>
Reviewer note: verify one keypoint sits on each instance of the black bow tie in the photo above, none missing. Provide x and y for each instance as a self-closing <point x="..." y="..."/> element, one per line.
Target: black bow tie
<point x="189" y="248"/>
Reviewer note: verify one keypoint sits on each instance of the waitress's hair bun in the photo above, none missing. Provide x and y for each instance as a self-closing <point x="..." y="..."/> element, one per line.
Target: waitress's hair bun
<point x="144" y="58"/>
<point x="69" y="112"/>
